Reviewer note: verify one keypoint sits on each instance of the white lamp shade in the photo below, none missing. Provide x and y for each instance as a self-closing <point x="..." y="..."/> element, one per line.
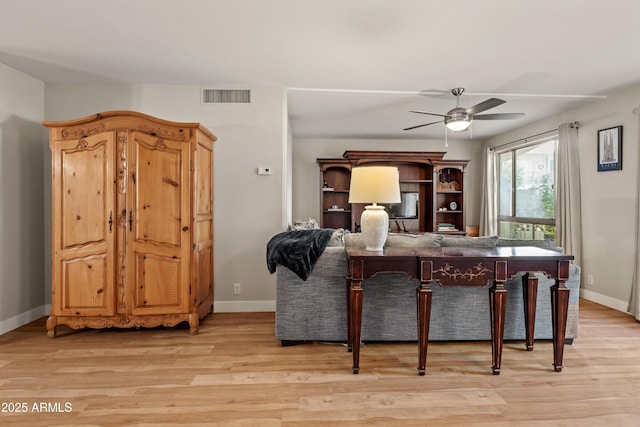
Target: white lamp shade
<point x="374" y="184"/>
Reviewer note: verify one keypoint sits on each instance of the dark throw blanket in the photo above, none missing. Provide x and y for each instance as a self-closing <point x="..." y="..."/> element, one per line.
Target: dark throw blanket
<point x="298" y="250"/>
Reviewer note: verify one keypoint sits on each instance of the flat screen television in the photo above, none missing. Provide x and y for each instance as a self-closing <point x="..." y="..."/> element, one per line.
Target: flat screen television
<point x="406" y="209"/>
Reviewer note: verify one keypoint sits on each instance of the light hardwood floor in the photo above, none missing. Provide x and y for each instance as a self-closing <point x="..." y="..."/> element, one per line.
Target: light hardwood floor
<point x="234" y="373"/>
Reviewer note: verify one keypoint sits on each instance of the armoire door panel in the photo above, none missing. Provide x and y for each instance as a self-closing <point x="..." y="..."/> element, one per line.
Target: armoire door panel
<point x="85" y="286"/>
<point x="160" y="184"/>
<point x="204" y="229"/>
<point x="160" y="235"/>
<point x="204" y="187"/>
<point x="205" y="273"/>
<point x="158" y="284"/>
<point x="84" y="190"/>
<point x="83" y="226"/>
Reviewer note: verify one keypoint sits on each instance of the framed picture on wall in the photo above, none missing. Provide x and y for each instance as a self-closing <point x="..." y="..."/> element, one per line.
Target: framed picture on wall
<point x="610" y="149"/>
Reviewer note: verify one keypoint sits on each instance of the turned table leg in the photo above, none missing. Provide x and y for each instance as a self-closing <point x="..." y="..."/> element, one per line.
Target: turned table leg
<point x="498" y="307"/>
<point x="559" y="310"/>
<point x="530" y="297"/>
<point x="424" y="296"/>
<point x="356" y="322"/>
<point x="349" y="324"/>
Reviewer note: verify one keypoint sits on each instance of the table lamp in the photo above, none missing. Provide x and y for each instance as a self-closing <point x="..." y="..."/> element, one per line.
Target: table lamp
<point x="374" y="184"/>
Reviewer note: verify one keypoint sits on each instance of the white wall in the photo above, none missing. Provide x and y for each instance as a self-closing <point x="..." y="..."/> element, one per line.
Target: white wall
<point x="248" y="208"/>
<point x="608" y="198"/>
<point x="22" y="261"/>
<point x="306" y="173"/>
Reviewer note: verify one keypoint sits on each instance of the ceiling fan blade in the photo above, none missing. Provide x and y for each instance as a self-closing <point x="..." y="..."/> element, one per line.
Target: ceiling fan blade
<point x="432" y="114"/>
<point x="419" y="126"/>
<point x="485" y="105"/>
<point x="499" y="116"/>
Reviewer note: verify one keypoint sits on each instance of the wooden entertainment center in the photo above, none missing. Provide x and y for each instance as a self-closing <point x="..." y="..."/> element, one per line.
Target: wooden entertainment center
<point x="432" y="190"/>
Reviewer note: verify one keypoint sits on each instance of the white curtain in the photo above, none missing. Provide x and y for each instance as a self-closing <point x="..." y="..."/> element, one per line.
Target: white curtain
<point x="489" y="202"/>
<point x="568" y="204"/>
<point x="634" y="301"/>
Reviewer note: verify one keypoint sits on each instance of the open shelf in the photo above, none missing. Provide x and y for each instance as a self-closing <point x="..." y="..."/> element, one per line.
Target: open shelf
<point x="449" y="197"/>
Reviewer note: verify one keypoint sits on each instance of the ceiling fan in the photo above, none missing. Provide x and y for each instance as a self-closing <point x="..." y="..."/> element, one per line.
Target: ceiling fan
<point x="459" y="118"/>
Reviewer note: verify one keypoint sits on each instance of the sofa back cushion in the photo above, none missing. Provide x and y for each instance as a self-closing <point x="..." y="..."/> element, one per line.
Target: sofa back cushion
<point x="414" y="241"/>
<point x="398" y="240"/>
<point x="544" y="244"/>
<point x="470" y="242"/>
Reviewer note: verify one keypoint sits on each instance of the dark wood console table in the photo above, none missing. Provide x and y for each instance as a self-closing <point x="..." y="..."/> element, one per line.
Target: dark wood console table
<point x="463" y="266"/>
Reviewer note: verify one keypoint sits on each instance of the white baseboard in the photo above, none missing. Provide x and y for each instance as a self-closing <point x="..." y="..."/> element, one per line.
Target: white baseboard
<point x="613" y="303"/>
<point x="243" y="306"/>
<point x="23" y="318"/>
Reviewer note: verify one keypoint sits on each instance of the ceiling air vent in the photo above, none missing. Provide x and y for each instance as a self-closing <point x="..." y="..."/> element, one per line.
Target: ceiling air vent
<point x="226" y="96"/>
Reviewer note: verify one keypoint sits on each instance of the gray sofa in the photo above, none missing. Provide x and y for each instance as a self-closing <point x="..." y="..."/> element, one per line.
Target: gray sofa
<point x="315" y="309"/>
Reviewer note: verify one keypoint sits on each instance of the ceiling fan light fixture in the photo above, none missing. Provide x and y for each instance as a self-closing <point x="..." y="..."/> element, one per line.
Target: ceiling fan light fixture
<point x="458" y="120"/>
<point x="458" y="125"/>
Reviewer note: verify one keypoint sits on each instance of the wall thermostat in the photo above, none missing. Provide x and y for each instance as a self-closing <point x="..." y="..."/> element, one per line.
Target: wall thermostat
<point x="264" y="171"/>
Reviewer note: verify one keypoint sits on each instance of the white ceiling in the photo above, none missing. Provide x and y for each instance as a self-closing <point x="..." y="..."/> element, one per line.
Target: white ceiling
<point x="354" y="67"/>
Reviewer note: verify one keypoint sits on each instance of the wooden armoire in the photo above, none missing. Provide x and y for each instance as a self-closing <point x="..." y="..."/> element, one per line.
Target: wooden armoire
<point x="132" y="222"/>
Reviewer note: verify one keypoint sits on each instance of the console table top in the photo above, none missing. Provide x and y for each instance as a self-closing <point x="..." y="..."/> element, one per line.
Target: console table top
<point x="511" y="252"/>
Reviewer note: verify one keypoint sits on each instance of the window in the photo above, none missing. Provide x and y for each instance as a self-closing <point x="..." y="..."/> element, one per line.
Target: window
<point x="526" y="190"/>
